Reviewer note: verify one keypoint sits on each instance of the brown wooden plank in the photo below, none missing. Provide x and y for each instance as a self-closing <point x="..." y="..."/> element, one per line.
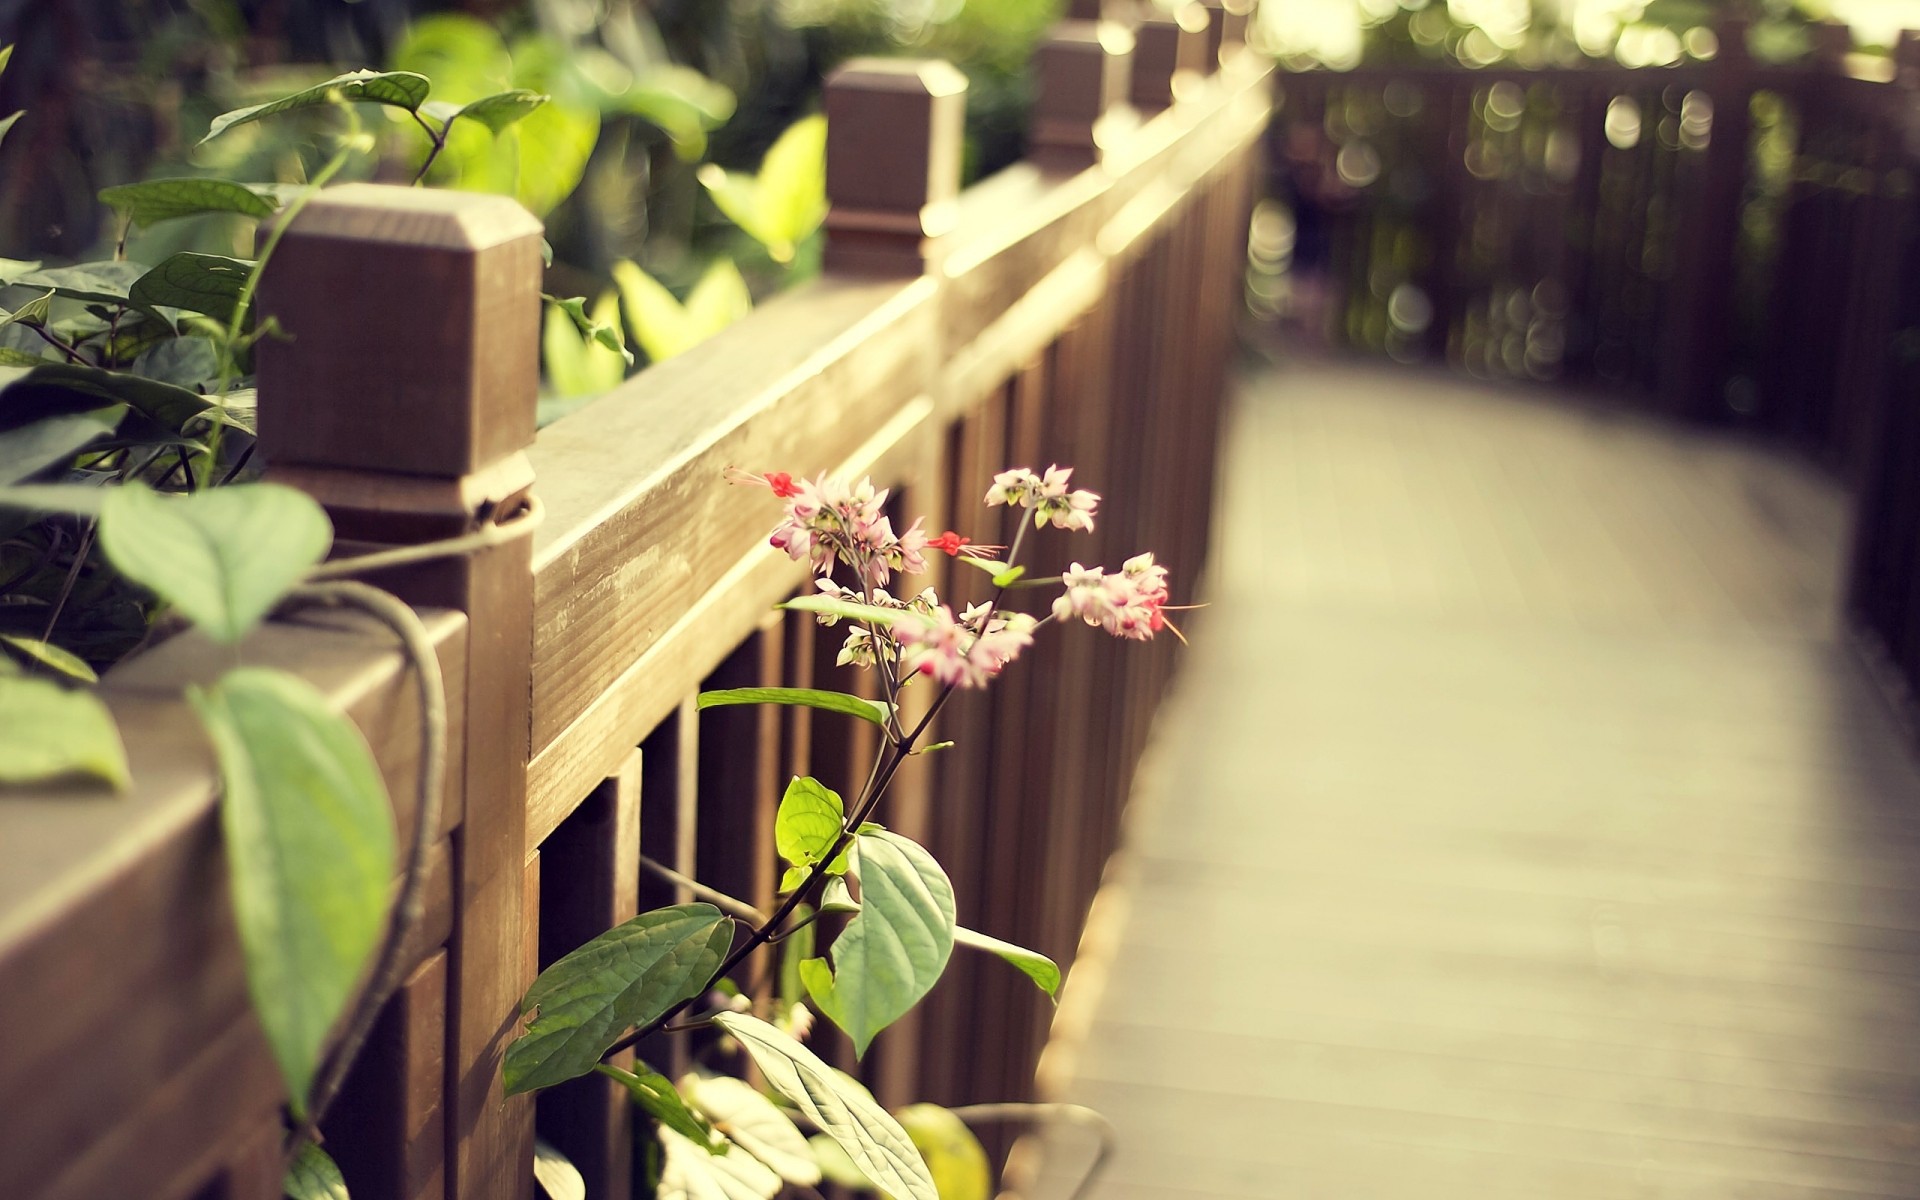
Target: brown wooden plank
<point x="388" y="1130"/>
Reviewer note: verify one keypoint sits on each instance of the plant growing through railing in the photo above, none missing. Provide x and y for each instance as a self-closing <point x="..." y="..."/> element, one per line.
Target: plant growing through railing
<point x="671" y="970"/>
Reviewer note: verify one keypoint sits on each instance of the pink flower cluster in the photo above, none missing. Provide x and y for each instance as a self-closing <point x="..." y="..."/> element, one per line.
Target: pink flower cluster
<point x="1130" y="604"/>
<point x="1047" y="496"/>
<point x="828" y="522"/>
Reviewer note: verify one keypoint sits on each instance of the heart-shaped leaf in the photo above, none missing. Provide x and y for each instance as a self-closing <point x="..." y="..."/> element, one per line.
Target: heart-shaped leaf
<point x="158" y="200"/>
<point x="625" y="977"/>
<point x="787" y="200"/>
<point x="691" y="1173"/>
<point x="502" y="109"/>
<point x="894" y="951"/>
<point x="223" y="557"/>
<point x="400" y="89"/>
<point x="310" y="855"/>
<point x="843" y="1110"/>
<point x="809" y="821"/>
<point x="202" y="283"/>
<point x="48" y="733"/>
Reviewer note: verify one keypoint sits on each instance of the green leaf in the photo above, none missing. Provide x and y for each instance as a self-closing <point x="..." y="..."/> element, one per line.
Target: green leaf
<point x="809" y="821"/>
<point x="844" y="609"/>
<point x="602" y="326"/>
<point x="836" y="702"/>
<point x="159" y="200"/>
<point x="841" y="1108"/>
<point x="836" y="1166"/>
<point x="54" y="385"/>
<point x="48" y="733"/>
<point x="581" y="366"/>
<point x="954" y="1157"/>
<point x="6" y="53"/>
<point x="787" y="200"/>
<point x="502" y="109"/>
<point x="26" y="451"/>
<point x="558" y="1178"/>
<point x="224" y="557"/>
<point x="1009" y="577"/>
<point x="310" y="855"/>
<point x="681" y="102"/>
<point x="754" y="1123"/>
<point x="664" y="326"/>
<point x="202" y="283"/>
<point x="1044" y="972"/>
<point x="13" y="268"/>
<point x="691" y="1173"/>
<point x="314" y="1176"/>
<point x="625" y="977"/>
<point x="894" y="951"/>
<point x="7" y="123"/>
<point x="656" y="1096"/>
<point x="37" y="311"/>
<point x="10" y="357"/>
<point x="50" y="656"/>
<point x="107" y="283"/>
<point x="400" y="89"/>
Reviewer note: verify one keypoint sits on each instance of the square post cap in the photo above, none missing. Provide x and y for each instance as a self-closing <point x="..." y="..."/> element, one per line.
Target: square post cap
<point x="895" y="136"/>
<point x="1081" y="74"/>
<point x="412" y="332"/>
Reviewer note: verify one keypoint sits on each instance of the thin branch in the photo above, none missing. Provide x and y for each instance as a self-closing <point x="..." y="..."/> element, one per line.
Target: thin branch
<point x="739" y="908"/>
<point x="484" y="538"/>
<point x="50" y="339"/>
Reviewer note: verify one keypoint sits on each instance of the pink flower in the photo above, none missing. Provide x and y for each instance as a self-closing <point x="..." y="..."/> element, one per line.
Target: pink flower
<point x="951" y="652"/>
<point x="1013" y="488"/>
<point x="1128" y="605"/>
<point x="1067" y="510"/>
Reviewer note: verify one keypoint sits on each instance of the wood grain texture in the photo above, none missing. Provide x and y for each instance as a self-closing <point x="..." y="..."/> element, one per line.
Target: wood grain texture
<point x="1530" y="827"/>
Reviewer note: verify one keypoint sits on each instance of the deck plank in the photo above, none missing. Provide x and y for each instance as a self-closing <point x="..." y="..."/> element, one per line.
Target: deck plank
<point x="1523" y="827"/>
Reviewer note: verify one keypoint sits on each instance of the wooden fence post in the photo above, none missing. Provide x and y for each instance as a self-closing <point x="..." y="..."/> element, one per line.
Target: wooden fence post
<point x="404" y="401"/>
<point x="1170" y="55"/>
<point x="895" y="132"/>
<point x="1083" y="70"/>
<point x="1700" y="335"/>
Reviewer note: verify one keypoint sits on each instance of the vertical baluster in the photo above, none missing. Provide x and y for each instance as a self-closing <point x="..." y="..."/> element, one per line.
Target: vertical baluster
<point x="406" y="411"/>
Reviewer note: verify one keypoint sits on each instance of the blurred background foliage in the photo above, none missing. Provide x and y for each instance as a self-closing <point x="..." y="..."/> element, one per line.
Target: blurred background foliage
<point x="651" y="165"/>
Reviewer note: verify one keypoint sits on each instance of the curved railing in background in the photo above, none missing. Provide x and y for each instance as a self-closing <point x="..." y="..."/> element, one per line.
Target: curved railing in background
<point x="1076" y="309"/>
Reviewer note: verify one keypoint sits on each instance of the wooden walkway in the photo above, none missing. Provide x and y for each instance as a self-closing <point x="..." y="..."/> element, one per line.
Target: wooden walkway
<point x="1523" y="829"/>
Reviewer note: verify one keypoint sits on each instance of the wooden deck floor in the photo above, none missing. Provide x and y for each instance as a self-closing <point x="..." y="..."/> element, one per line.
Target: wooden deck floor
<point x="1522" y="829"/>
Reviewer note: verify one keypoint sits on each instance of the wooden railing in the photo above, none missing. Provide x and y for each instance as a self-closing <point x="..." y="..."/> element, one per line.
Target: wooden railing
<point x="1073" y="309"/>
<point x="1732" y="242"/>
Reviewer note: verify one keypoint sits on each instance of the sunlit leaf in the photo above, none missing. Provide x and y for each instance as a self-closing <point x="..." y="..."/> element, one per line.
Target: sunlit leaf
<point x="894" y="951"/>
<point x="625" y="977"/>
<point x="13" y="268"/>
<point x="49" y="733"/>
<point x="808" y="822"/>
<point x="845" y="609"/>
<point x="33" y="448"/>
<point x="1044" y="972"/>
<point x="835" y="702"/>
<point x="310" y="855"/>
<point x="754" y="1123"/>
<point x="202" y="283"/>
<point x="48" y="656"/>
<point x="954" y="1156"/>
<point x="502" y="109"/>
<point x="841" y="1108"/>
<point x="36" y="311"/>
<point x="585" y="354"/>
<point x="718" y="300"/>
<point x="158" y="200"/>
<point x="558" y="1178"/>
<point x="682" y="102"/>
<point x="7" y="123"/>
<point x="787" y="200"/>
<point x="314" y="1176"/>
<point x="691" y="1173"/>
<point x="836" y="1165"/>
<point x="658" y="1098"/>
<point x="400" y="89"/>
<point x="224" y="557"/>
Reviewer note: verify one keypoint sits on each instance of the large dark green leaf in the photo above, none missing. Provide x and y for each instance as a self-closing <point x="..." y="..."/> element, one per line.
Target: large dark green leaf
<point x="842" y="1109"/>
<point x="224" y="557"/>
<point x="400" y="89"/>
<point x="33" y="448"/>
<point x="625" y="977"/>
<point x="202" y="283"/>
<point x="54" y="387"/>
<point x="106" y="283"/>
<point x="158" y="200"/>
<point x="893" y="952"/>
<point x="48" y="733"/>
<point x="1044" y="972"/>
<point x="836" y="702"/>
<point x="310" y="855"/>
<point x="659" y="1099"/>
<point x="313" y="1175"/>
